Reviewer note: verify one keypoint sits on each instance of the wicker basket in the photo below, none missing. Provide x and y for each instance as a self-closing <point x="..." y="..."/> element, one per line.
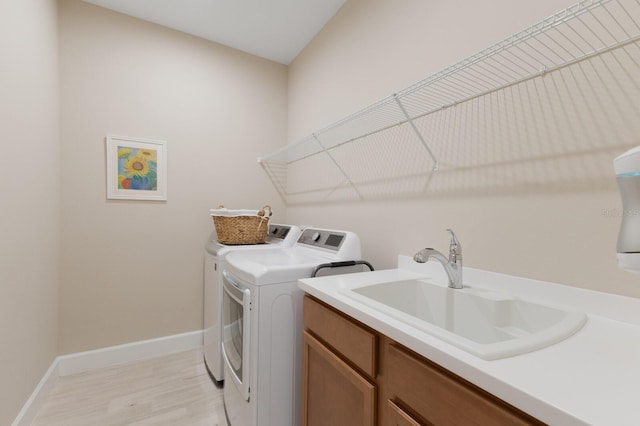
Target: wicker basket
<point x="241" y="226"/>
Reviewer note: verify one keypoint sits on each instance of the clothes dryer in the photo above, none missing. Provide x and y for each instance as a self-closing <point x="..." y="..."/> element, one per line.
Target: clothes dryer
<point x="262" y="325"/>
<point x="214" y="256"/>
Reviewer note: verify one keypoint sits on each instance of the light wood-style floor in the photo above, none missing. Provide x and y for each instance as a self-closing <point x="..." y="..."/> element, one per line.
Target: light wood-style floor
<point x="169" y="390"/>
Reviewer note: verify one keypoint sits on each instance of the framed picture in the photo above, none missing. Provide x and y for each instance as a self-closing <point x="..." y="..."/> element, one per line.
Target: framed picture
<point x="136" y="168"/>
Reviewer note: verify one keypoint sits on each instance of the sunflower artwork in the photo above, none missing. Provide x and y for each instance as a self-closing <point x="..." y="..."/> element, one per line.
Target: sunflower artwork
<point x="137" y="168"/>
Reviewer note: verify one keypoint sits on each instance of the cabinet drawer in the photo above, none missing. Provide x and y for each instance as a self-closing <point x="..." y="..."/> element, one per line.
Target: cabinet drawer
<point x="354" y="342"/>
<point x="398" y="417"/>
<point x="442" y="398"/>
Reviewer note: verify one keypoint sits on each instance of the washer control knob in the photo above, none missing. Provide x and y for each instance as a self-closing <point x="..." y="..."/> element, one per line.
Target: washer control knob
<point x="315" y="236"/>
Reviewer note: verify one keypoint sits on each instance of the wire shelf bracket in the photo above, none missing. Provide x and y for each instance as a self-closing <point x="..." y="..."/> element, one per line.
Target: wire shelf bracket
<point x="417" y="132"/>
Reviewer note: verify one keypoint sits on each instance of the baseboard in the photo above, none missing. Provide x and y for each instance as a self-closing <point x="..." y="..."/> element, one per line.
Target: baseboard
<point x="92" y="360"/>
<point x="30" y="408"/>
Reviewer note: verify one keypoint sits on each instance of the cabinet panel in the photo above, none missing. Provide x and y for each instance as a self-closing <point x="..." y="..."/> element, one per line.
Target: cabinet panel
<point x="356" y="343"/>
<point x="333" y="393"/>
<point x="397" y="416"/>
<point x="442" y="398"/>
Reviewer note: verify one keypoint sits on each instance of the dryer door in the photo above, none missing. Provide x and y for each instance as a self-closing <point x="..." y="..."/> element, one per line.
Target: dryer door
<point x="213" y="317"/>
<point x="236" y="342"/>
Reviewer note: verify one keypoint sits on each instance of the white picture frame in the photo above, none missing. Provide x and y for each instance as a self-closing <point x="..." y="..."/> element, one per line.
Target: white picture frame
<point x="136" y="168"/>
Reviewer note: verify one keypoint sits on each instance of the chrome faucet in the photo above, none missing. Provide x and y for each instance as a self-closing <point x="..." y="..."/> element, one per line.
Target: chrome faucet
<point x="452" y="265"/>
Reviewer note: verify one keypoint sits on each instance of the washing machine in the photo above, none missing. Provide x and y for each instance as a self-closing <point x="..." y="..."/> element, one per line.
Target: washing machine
<point x="262" y="322"/>
<point x="214" y="256"/>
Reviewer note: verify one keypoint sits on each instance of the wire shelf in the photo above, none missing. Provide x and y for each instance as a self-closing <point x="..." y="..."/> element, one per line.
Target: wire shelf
<point x="566" y="86"/>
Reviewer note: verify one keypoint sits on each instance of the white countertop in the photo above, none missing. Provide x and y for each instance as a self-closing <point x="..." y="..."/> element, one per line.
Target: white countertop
<point x="592" y="377"/>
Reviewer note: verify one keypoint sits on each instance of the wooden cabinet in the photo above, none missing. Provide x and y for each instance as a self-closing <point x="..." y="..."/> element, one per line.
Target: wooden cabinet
<point x="353" y="375"/>
<point x="338" y="364"/>
<point x="437" y="396"/>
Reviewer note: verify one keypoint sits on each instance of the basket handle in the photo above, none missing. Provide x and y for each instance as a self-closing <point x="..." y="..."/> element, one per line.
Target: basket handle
<point x="262" y="212"/>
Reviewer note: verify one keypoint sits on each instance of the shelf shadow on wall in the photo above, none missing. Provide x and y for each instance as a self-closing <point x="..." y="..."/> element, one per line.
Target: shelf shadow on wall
<point x="556" y="132"/>
<point x="521" y="177"/>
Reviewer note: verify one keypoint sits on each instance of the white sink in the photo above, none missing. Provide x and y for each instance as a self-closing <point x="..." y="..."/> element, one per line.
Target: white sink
<point x="487" y="324"/>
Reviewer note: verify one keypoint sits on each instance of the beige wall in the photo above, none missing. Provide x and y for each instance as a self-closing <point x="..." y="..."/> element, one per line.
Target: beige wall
<point x="109" y="272"/>
<point x="29" y="189"/>
<point x="133" y="270"/>
<point x="545" y="229"/>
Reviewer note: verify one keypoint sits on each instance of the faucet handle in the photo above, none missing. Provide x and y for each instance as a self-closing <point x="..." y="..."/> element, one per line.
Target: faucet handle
<point x="455" y="248"/>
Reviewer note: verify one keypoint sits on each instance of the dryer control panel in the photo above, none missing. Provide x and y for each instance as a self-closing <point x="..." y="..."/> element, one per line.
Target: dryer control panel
<point x="331" y="240"/>
<point x="278" y="232"/>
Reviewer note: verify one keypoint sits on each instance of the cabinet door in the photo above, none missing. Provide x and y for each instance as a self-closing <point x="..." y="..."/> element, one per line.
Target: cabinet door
<point x="333" y="393"/>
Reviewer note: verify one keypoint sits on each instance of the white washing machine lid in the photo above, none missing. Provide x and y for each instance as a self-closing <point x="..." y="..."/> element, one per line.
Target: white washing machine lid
<point x="273" y="266"/>
<point x="279" y="235"/>
<point x="283" y="265"/>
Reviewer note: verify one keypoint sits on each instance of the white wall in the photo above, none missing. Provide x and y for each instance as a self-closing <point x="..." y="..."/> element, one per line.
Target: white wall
<point x="546" y="229"/>
<point x="29" y="189"/>
<point x="132" y="270"/>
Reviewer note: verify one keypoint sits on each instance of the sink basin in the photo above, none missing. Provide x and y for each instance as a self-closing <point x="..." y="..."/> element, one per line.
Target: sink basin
<point x="487" y="324"/>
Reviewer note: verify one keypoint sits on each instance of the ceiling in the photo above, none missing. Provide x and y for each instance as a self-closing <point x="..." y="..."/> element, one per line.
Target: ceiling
<point x="274" y="29"/>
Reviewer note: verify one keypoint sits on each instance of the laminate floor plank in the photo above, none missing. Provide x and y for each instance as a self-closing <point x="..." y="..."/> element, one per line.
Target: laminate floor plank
<point x="168" y="390"/>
